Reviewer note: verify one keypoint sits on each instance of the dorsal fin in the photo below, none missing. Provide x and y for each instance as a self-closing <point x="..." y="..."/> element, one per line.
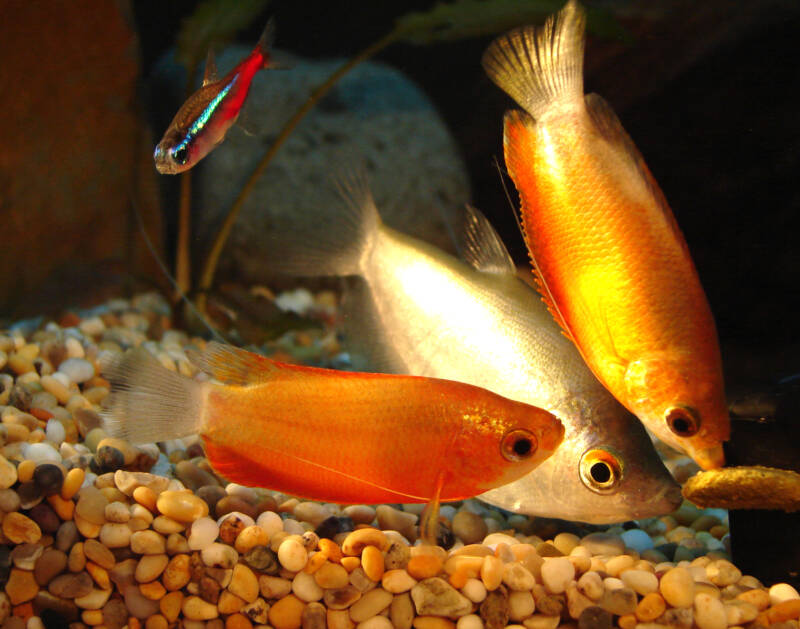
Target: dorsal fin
<point x="482" y="247"/>
<point x="233" y="365"/>
<point x="517" y="128"/>
<point x="210" y="74"/>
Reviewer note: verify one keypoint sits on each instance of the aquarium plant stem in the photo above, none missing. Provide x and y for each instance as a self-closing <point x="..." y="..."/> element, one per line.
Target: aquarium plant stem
<point x="210" y="267"/>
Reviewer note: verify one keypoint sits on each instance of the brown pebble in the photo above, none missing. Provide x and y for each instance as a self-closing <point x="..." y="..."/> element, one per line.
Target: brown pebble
<point x="50" y="563"/>
<point x="230" y="528"/>
<point x="21" y="586"/>
<point x="176" y="574"/>
<point x="396" y="556"/>
<point x="341" y="598"/>
<point x="595" y="617"/>
<point x="153" y="591"/>
<point x="170" y="605"/>
<point x="99" y="554"/>
<point x="209" y="590"/>
<point x="229" y="504"/>
<point x="757" y="597"/>
<point x="314" y="616"/>
<point x="494" y="609"/>
<point x="20" y="529"/>
<point x="71" y="585"/>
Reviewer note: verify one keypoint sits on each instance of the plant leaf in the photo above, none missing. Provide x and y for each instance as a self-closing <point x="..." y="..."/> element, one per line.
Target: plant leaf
<point x="475" y="18"/>
<point x="214" y="23"/>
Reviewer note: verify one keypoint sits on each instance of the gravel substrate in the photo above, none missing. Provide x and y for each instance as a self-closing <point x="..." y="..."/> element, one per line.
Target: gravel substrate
<point x="97" y="532"/>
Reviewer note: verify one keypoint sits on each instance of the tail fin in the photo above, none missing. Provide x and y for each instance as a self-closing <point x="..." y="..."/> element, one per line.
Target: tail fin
<point x="339" y="240"/>
<point x="537" y="66"/>
<point x="264" y="45"/>
<point x="150" y="403"/>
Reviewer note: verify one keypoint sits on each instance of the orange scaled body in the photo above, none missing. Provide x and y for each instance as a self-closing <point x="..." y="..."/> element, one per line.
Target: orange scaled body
<point x="331" y="435"/>
<point x="611" y="260"/>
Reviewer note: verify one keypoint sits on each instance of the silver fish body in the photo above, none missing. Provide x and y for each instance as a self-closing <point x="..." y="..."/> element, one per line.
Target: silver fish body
<point x="418" y="310"/>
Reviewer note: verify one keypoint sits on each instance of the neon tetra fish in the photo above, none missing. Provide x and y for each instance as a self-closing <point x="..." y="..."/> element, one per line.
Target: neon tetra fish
<point x="203" y="120"/>
<point x="612" y="263"/>
<point x="334" y="436"/>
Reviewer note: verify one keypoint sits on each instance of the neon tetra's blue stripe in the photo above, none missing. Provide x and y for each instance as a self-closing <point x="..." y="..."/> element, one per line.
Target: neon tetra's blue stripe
<point x="202" y="120"/>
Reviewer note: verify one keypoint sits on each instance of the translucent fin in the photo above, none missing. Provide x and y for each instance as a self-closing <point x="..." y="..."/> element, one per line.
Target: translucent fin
<point x="148" y="402"/>
<point x="365" y="333"/>
<point x="538" y="66"/>
<point x="265" y="42"/>
<point x="210" y="75"/>
<point x="429" y="520"/>
<point x="517" y="128"/>
<point x="482" y="247"/>
<point x="336" y="242"/>
<point x="233" y="365"/>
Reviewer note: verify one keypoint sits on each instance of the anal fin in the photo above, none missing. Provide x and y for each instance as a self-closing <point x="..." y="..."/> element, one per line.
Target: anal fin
<point x="429" y="520"/>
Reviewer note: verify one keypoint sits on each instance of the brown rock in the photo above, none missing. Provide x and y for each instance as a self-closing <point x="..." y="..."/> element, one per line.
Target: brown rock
<point x="71" y="585"/>
<point x="21" y="586"/>
<point x="99" y="554"/>
<point x="52" y="562"/>
<point x="494" y="609"/>
<point x="21" y="529"/>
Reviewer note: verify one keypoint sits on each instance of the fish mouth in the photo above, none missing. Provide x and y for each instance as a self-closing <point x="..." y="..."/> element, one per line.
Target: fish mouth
<point x="164" y="164"/>
<point x="708" y="458"/>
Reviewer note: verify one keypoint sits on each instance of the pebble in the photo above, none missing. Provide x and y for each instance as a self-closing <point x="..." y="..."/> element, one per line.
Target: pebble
<point x="494" y="610"/>
<point x="709" y="613"/>
<point x="556" y="573"/>
<point x="218" y="555"/>
<point x="595" y="618"/>
<point x="781" y="592"/>
<point x="78" y="370"/>
<point x="181" y="506"/>
<point x="8" y="473"/>
<point x="436" y="597"/>
<point x="469" y="527"/>
<point x="650" y="607"/>
<point x="292" y="555"/>
<point x="287" y="613"/>
<point x="677" y="587"/>
<point x="20" y="529"/>
<point x="370" y="604"/>
<point x="603" y="544"/>
<point x="306" y="588"/>
<point x="203" y="532"/>
<point x="640" y="581"/>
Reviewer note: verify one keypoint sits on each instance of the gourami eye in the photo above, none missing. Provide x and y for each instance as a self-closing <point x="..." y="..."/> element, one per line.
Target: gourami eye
<point x="682" y="421"/>
<point x="518" y="445"/>
<point x="600" y="470"/>
<point x="180" y="155"/>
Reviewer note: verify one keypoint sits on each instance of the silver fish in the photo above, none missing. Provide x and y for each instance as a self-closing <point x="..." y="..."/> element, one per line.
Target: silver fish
<point x="415" y="309"/>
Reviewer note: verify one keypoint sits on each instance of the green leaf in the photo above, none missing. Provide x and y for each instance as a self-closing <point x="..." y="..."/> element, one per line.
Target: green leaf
<point x="475" y="18"/>
<point x="212" y="25"/>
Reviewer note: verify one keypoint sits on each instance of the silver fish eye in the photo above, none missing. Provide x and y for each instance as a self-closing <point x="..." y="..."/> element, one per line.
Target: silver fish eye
<point x="600" y="470"/>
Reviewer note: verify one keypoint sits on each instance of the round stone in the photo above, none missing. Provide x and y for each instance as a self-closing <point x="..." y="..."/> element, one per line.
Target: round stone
<point x="709" y="612"/>
<point x="306" y="588"/>
<point x="469" y="527"/>
<point x="677" y="587"/>
<point x="557" y="572"/>
<point x="637" y="539"/>
<point x="78" y="370"/>
<point x="640" y="581"/>
<point x="292" y="555"/>
<point x="203" y="533"/>
<point x="182" y="506"/>
<point x="20" y="529"/>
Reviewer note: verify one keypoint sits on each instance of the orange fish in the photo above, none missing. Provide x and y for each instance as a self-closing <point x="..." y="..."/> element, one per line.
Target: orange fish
<point x="611" y="262"/>
<point x="331" y="435"/>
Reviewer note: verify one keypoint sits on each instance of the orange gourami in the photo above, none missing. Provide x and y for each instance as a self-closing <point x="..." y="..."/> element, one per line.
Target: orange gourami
<point x="611" y="261"/>
<point x="331" y="435"/>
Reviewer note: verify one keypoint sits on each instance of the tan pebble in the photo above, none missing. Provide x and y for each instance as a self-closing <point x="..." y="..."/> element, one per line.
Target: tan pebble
<point x="396" y="556"/>
<point x="85" y="527"/>
<point x="461" y="563"/>
<point x="76" y="561"/>
<point x="401" y="611"/>
<point x="628" y="621"/>
<point x="709" y="613"/>
<point x="351" y="563"/>
<point x="167" y="526"/>
<point x="250" y="537"/>
<point x="170" y="605"/>
<point x="99" y="575"/>
<point x="117" y="513"/>
<point x="338" y="619"/>
<point x="424" y="566"/>
<point x="148" y="543"/>
<point x="576" y="601"/>
<point x="229" y="603"/>
<point x="740" y="612"/>
<point x="540" y="621"/>
<point x="156" y="621"/>
<point x="94" y="599"/>
<point x="433" y="622"/>
<point x="566" y="542"/>
<point x="91" y="506"/>
<point x="292" y="555"/>
<point x="616" y="565"/>
<point x="756" y="597"/>
<point x="372" y="563"/>
<point x="114" y="535"/>
<point x="113" y="495"/>
<point x="315" y="562"/>
<point x="153" y="590"/>
<point x="331" y="575"/>
<point x="370" y="604"/>
<point x="195" y="608"/>
<point x="397" y="581"/>
<point x="182" y="506"/>
<point x="330" y="549"/>
<point x="650" y="607"/>
<point x="21" y="586"/>
<point x="677" y="587"/>
<point x="244" y="583"/>
<point x="355" y="541"/>
<point x="287" y="613"/>
<point x="177" y="573"/>
<point x="20" y="529"/>
<point x="273" y="587"/>
<point x="517" y="577"/>
<point x="25" y="470"/>
<point x="140" y="512"/>
<point x="150" y="567"/>
<point x="640" y="581"/>
<point x="492" y="572"/>
<point x="238" y="621"/>
<point x="99" y="554"/>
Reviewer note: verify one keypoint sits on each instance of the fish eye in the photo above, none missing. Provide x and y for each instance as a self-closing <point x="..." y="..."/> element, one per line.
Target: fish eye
<point x="600" y="470"/>
<point x="518" y="445"/>
<point x="682" y="421"/>
<point x="180" y="155"/>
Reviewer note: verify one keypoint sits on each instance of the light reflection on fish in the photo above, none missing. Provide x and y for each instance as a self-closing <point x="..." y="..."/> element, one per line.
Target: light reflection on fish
<point x="332" y="435"/>
<point x="203" y="120"/>
<point x="613" y="265"/>
<point x="418" y="310"/>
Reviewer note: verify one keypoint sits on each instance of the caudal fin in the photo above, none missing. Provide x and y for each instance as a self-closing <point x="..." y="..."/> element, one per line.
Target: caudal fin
<point x="336" y="241"/>
<point x="148" y="402"/>
<point x="538" y="66"/>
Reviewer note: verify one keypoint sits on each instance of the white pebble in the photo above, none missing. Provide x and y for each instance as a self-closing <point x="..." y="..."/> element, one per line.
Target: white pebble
<point x="298" y="301"/>
<point x="591" y="585"/>
<point x="292" y="526"/>
<point x="55" y="432"/>
<point x="62" y="378"/>
<point x="556" y="573"/>
<point x="613" y="583"/>
<point x="271" y="522"/>
<point x="376" y="622"/>
<point x="311" y="512"/>
<point x="78" y="370"/>
<point x="41" y="453"/>
<point x="782" y="592"/>
<point x="470" y="621"/>
<point x="203" y="533"/>
<point x="292" y="554"/>
<point x="520" y="605"/>
<point x="493" y="539"/>
<point x="240" y="491"/>
<point x="640" y="581"/>
<point x="709" y="612"/>
<point x="474" y="590"/>
<point x="74" y="348"/>
<point x="637" y="540"/>
<point x="219" y="556"/>
<point x="305" y="587"/>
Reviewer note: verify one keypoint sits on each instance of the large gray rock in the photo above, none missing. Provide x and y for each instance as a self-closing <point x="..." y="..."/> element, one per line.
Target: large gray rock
<point x="374" y="114"/>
